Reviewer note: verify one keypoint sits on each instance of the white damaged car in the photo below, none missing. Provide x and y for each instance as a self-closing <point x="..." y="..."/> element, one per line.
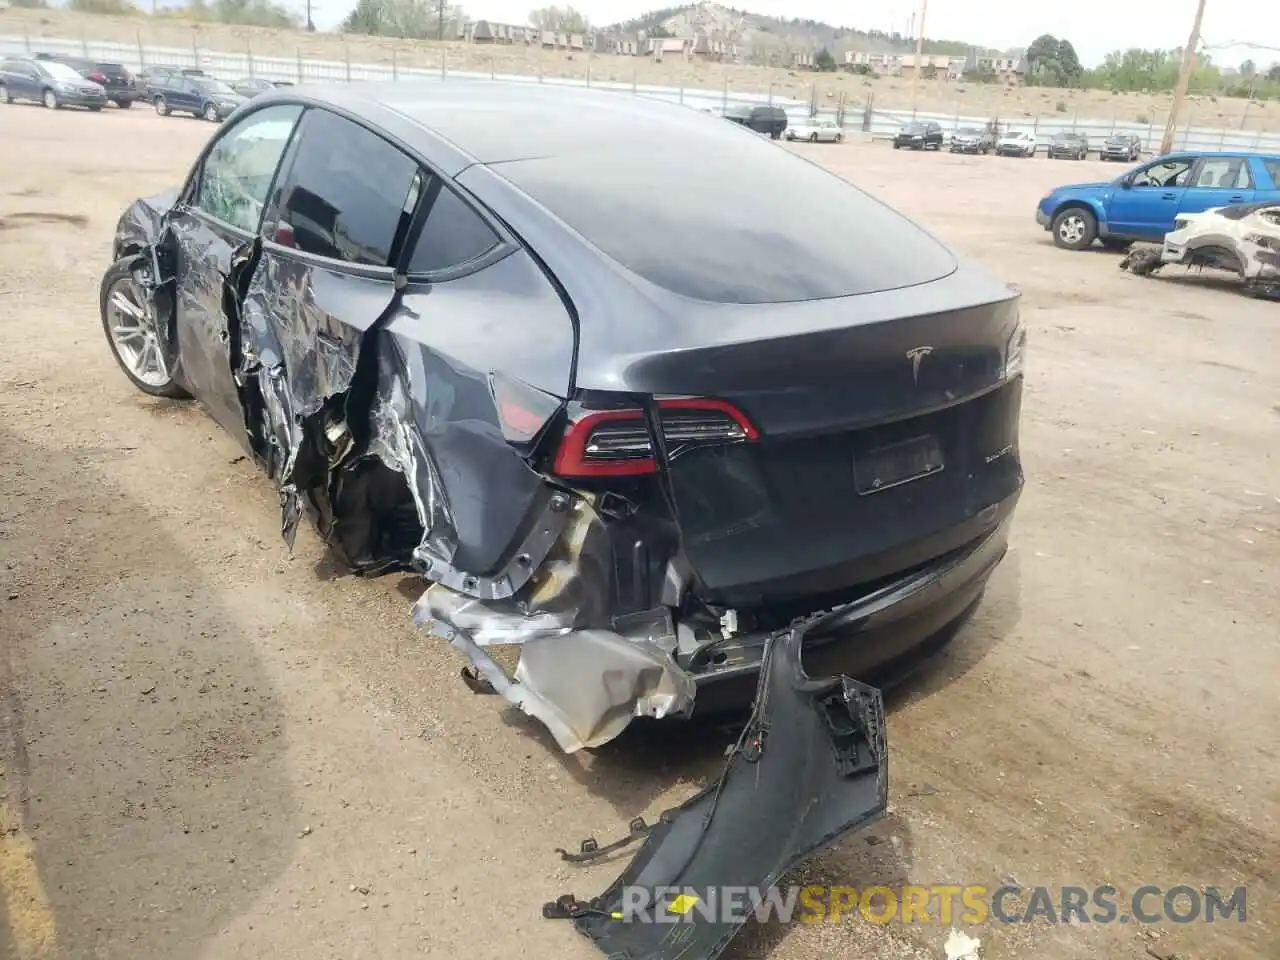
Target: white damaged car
<point x="1243" y="238"/>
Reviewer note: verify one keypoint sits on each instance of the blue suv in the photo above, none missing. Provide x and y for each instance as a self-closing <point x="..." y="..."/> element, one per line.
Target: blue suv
<point x="1143" y="203"/>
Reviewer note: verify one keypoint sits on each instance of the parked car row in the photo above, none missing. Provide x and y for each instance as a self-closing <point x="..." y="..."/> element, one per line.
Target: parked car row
<point x="64" y="81"/>
<point x="1068" y="145"/>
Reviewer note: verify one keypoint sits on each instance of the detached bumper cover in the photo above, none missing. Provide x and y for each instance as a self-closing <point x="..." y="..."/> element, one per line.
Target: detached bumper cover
<point x="811" y="766"/>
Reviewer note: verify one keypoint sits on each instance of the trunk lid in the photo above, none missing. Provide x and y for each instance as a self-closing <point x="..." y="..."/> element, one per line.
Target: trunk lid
<point x="883" y="445"/>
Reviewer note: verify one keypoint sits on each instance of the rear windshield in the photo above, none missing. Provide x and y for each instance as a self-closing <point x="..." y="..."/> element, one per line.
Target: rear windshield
<point x="968" y="132"/>
<point x="209" y="85"/>
<point x="914" y="128"/>
<point x="59" y="71"/>
<point x="747" y="224"/>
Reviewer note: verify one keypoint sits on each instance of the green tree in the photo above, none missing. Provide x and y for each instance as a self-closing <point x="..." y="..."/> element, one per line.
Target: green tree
<point x="1069" y="68"/>
<point x="824" y="61"/>
<point x="1042" y="56"/>
<point x="30" y="4"/>
<point x="414" y="19"/>
<point x="560" y="20"/>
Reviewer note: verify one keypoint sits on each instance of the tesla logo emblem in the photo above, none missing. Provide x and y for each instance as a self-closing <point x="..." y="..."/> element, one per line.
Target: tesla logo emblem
<point x="915" y="355"/>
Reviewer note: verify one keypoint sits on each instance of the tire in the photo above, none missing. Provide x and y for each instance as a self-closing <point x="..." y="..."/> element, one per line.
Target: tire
<point x="162" y="108"/>
<point x="95" y="109"/>
<point x="4" y="94"/>
<point x="896" y="145"/>
<point x="51" y="100"/>
<point x="123" y="104"/>
<point x="839" y="138"/>
<point x="1074" y="228"/>
<point x="119" y="280"/>
<point x="210" y="113"/>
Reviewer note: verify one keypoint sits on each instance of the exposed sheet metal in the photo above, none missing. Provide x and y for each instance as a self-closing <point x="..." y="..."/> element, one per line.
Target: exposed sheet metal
<point x="811" y="765"/>
<point x="1243" y="239"/>
<point x="583" y="680"/>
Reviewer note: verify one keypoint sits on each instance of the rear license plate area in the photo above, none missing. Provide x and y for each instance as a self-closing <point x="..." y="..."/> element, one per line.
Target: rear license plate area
<point x="895" y="464"/>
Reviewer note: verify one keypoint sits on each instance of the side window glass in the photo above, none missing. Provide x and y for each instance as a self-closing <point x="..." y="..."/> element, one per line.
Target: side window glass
<point x="238" y="170"/>
<point x="1171" y="173"/>
<point x="1224" y="173"/>
<point x="345" y="195"/>
<point x="453" y="234"/>
<point x="1273" y="168"/>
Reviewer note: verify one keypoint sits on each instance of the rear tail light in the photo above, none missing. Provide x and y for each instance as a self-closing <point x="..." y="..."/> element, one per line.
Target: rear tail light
<point x="616" y="443"/>
<point x="98" y="77"/>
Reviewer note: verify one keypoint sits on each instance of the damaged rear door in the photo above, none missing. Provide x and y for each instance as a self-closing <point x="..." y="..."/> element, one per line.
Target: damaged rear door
<point x="221" y="214"/>
<point x="309" y="299"/>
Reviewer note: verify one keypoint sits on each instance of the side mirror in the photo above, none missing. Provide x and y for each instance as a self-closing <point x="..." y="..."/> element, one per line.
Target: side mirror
<point x="1126" y="183"/>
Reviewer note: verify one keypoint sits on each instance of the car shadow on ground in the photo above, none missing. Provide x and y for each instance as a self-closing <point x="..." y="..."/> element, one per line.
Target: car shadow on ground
<point x="143" y="784"/>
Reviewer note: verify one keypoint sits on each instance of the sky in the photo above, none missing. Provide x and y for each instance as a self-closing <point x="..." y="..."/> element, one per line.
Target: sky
<point x="1094" y="27"/>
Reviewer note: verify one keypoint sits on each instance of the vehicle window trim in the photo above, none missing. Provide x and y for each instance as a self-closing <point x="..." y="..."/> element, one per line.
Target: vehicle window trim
<point x="1201" y="162"/>
<point x="507" y="244"/>
<point x="191" y="189"/>
<point x="290" y="157"/>
<point x="426" y="203"/>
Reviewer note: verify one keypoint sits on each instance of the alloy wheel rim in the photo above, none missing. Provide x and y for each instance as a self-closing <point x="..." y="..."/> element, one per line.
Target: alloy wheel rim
<point x="1072" y="229"/>
<point x="50" y="99"/>
<point x="133" y="332"/>
<point x="210" y="113"/>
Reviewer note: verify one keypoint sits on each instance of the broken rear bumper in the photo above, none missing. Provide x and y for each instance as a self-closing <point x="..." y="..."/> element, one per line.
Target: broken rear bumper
<point x="882" y="635"/>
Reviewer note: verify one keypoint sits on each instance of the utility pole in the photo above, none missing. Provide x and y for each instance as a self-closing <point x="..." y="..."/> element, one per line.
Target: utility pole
<point x="310" y="24"/>
<point x="1184" y="79"/>
<point x="440" y="24"/>
<point x="915" y="76"/>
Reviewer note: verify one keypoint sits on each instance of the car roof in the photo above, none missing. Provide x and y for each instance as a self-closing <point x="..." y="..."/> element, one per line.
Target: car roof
<point x="456" y="123"/>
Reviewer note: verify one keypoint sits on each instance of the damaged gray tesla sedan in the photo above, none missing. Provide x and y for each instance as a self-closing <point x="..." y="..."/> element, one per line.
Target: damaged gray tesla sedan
<point x="628" y="386"/>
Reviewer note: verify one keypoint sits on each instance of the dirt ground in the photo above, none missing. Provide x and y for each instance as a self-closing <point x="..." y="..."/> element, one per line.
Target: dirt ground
<point x="212" y="749"/>
<point x="889" y="93"/>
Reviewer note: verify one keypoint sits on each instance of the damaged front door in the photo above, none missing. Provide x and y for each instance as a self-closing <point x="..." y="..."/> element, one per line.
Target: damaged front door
<point x="221" y="214"/>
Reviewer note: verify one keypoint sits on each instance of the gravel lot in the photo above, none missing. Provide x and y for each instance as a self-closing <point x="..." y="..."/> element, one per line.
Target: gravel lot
<point x="213" y="749"/>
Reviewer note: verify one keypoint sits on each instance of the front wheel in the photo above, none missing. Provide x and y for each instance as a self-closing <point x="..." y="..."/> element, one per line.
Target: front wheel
<point x="813" y="138"/>
<point x="4" y="94"/>
<point x="124" y="104"/>
<point x="211" y="113"/>
<point x="1074" y="228"/>
<point x="134" y="332"/>
<point x="51" y="100"/>
<point x="839" y="138"/>
<point x="162" y="108"/>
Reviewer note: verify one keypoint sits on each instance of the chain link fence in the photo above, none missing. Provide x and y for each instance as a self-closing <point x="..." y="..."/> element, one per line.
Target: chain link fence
<point x="866" y="116"/>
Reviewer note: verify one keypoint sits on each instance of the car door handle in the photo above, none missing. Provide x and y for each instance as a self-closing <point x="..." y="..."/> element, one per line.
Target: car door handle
<point x="1168" y="196"/>
<point x="1234" y="199"/>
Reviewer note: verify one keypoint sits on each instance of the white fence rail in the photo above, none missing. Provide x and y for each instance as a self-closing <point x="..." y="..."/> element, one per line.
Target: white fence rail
<point x="876" y="122"/>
